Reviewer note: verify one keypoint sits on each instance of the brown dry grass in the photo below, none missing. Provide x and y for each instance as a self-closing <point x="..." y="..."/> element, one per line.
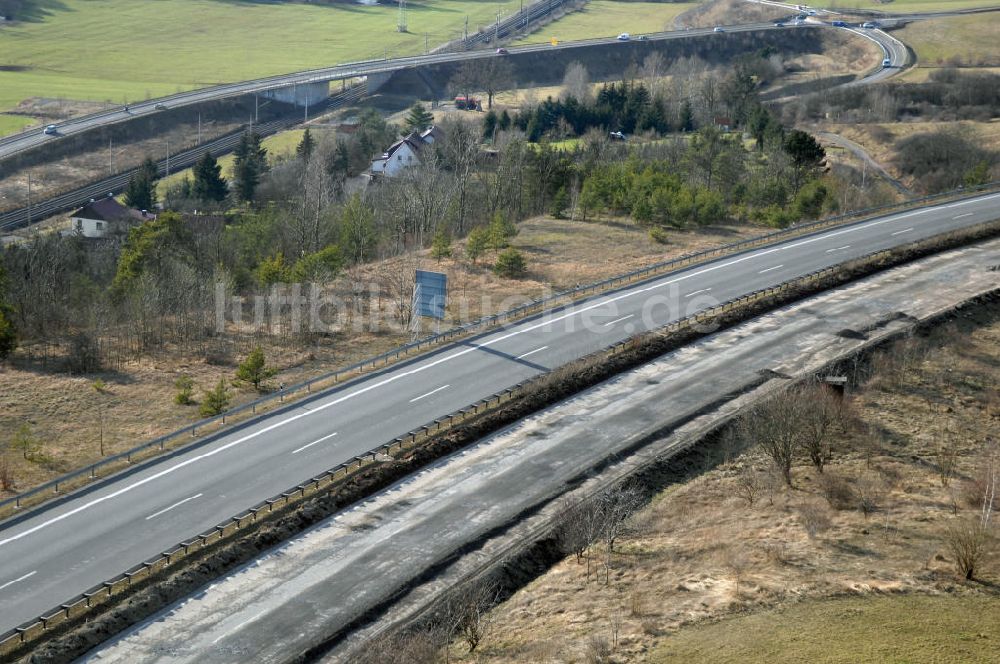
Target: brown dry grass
<point x="687" y="550"/>
<point x="64" y="412"/>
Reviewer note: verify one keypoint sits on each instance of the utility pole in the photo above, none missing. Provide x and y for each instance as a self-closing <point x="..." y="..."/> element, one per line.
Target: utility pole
<point x="255" y="115"/>
<point x="466" y="37"/>
<point x="426" y="45"/>
<point x="496" y="35"/>
<point x="199" y="128"/>
<point x="168" y="160"/>
<point x="29" y="199"/>
<point x="111" y="157"/>
<point x="401" y="23"/>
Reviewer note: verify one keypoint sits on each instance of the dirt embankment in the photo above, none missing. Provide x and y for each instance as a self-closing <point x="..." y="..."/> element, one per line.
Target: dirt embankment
<point x="907" y="462"/>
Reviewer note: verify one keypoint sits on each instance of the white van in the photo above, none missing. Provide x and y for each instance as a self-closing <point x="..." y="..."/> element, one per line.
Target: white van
<point x="887" y="62"/>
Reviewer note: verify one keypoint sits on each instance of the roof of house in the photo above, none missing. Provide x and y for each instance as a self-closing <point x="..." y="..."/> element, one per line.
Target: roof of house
<point x="106" y="209"/>
<point x="413" y="140"/>
<point x="432" y="131"/>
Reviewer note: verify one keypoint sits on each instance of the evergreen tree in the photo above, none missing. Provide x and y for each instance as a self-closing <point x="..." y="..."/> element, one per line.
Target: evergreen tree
<point x="477" y="243"/>
<point x="216" y="400"/>
<point x="209" y="185"/>
<point x="141" y="190"/>
<point x="8" y="333"/>
<point x="686" y="121"/>
<point x="503" y="123"/>
<point x="559" y="203"/>
<point x="418" y="119"/>
<point x="510" y="264"/>
<point x="306" y="146"/>
<point x="249" y="164"/>
<point x="441" y="247"/>
<point x="254" y="369"/>
<point x="489" y="125"/>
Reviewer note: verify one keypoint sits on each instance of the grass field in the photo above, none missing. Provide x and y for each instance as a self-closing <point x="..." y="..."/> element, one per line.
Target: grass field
<point x="905" y="6"/>
<point x="118" y="50"/>
<point x="964" y="40"/>
<point x="283" y="143"/>
<point x="603" y="18"/>
<point x="12" y="123"/>
<point x="886" y="629"/>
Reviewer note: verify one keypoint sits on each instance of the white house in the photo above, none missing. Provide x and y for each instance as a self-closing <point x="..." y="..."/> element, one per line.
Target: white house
<point x="404" y="153"/>
<point x="100" y="217"/>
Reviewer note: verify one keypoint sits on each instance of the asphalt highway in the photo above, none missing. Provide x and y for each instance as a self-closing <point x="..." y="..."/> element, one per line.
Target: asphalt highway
<point x="58" y="552"/>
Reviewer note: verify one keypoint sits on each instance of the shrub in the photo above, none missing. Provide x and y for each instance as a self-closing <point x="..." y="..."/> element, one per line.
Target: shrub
<point x="838" y="491"/>
<point x="659" y="235"/>
<point x="185" y="391"/>
<point x="254" y="369"/>
<point x="510" y="264"/>
<point x="815" y="518"/>
<point x="216" y="400"/>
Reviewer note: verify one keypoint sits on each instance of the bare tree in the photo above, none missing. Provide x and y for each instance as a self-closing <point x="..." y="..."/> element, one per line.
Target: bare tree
<point x="749" y="484"/>
<point x="967" y="540"/>
<point x="820" y="411"/>
<point x="469" y="612"/>
<point x="771" y="425"/>
<point x="576" y="82"/>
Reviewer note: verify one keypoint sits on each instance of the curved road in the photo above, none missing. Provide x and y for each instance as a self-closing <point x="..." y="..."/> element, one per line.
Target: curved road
<point x="26" y="140"/>
<point x="54" y="553"/>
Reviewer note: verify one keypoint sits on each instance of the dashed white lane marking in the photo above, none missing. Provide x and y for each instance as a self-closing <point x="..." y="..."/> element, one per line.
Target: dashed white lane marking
<point x="20" y="578"/>
<point x="618" y="320"/>
<point x="237" y="628"/>
<point x="967" y="214"/>
<point x="776" y="267"/>
<point x="905" y="230"/>
<point x="447" y="358"/>
<point x="435" y="391"/>
<point x="846" y="246"/>
<point x="177" y="504"/>
<point x="315" y="442"/>
<point x="531" y="352"/>
<point x="703" y="290"/>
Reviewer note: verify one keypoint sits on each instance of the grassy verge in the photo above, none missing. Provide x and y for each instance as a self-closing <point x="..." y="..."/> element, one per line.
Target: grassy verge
<point x="884" y="629"/>
<point x="150" y="49"/>
<point x="905" y="6"/>
<point x="961" y="40"/>
<point x="604" y="18"/>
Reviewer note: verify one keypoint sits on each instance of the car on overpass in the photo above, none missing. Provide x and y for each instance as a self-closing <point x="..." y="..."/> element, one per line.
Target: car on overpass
<point x="717" y="29"/>
<point x="624" y="36"/>
<point x="502" y="51"/>
<point x="51" y="130"/>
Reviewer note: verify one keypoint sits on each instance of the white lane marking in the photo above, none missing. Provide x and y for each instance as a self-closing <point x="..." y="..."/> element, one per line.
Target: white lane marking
<point x="967" y="214"/>
<point x="235" y="629"/>
<point x="315" y="442"/>
<point x="447" y="358"/>
<point x="177" y="504"/>
<point x="776" y="267"/>
<point x="703" y="290"/>
<point x="830" y="251"/>
<point x="435" y="391"/>
<point x="20" y="578"/>
<point x="618" y="320"/>
<point x="905" y="230"/>
<point x="531" y="352"/>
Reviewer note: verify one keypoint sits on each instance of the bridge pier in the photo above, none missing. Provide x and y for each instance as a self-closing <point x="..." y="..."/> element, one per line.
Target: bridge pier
<point x="304" y="94"/>
<point x="377" y="80"/>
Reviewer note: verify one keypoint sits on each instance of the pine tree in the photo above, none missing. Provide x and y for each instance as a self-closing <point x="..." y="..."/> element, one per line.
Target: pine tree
<point x="216" y="400"/>
<point x="141" y="190"/>
<point x="477" y="243"/>
<point x="418" y="119"/>
<point x="8" y="333"/>
<point x="441" y="247"/>
<point x="254" y="369"/>
<point x="686" y="121"/>
<point x="249" y="164"/>
<point x="489" y="125"/>
<point x="510" y="264"/>
<point x="209" y="185"/>
<point x="306" y="146"/>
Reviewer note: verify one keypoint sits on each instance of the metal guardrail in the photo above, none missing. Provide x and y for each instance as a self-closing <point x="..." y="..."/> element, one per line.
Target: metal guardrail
<point x="101" y="593"/>
<point x="480" y="325"/>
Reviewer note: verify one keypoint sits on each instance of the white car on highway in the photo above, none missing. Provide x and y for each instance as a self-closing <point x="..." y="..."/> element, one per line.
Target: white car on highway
<point x="624" y="36"/>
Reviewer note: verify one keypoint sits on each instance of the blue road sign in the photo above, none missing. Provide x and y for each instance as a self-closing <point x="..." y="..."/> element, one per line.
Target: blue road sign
<point x="431" y="294"/>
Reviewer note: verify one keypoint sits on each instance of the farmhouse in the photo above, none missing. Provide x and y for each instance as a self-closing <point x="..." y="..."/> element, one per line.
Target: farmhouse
<point x="103" y="216"/>
<point x="405" y="153"/>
